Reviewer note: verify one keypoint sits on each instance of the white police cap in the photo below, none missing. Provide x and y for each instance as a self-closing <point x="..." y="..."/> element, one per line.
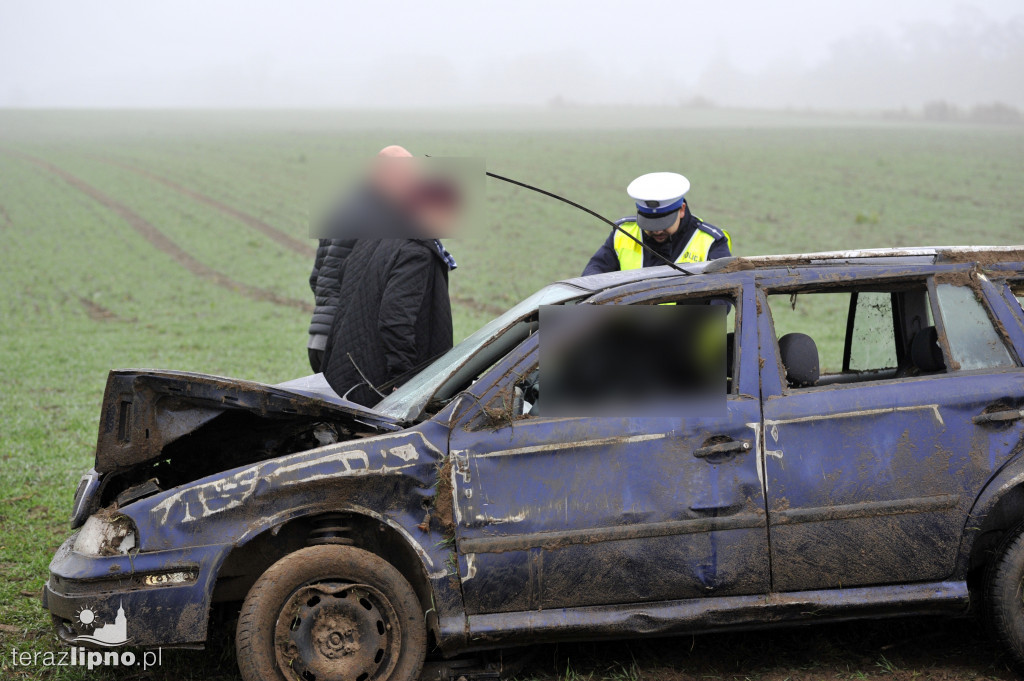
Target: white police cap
<point x="658" y="196"/>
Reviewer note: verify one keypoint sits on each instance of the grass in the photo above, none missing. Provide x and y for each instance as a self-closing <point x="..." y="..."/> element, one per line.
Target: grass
<point x="900" y="650"/>
<point x="84" y="292"/>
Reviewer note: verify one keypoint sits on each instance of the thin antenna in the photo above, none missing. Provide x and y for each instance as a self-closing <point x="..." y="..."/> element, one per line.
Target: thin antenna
<point x="587" y="210"/>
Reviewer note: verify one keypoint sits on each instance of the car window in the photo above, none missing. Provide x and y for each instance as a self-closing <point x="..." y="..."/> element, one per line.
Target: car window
<point x="732" y="357"/>
<point x="458" y="367"/>
<point x="872" y="343"/>
<point x="1017" y="287"/>
<point x="850" y="336"/>
<point x="823" y="317"/>
<point x="973" y="342"/>
<point x="525" y="395"/>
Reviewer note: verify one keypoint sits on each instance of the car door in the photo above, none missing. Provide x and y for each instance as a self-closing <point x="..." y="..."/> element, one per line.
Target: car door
<point x="559" y="512"/>
<point x="870" y="482"/>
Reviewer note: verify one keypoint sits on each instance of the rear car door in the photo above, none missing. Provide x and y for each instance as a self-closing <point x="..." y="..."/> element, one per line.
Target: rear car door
<point x="871" y="472"/>
<point x="558" y="512"/>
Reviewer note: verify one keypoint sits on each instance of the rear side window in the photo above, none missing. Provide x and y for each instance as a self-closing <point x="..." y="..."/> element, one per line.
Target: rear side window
<point x="872" y="344"/>
<point x="855" y="335"/>
<point x="973" y="342"/>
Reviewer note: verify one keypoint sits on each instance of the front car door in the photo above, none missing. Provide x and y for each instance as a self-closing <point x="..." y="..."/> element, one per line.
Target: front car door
<point x="556" y="512"/>
<point x="872" y="471"/>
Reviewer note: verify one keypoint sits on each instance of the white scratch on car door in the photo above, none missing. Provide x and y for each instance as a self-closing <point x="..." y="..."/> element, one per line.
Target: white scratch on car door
<point x="491" y="520"/>
<point x="759" y="448"/>
<point x="559" y="446"/>
<point x="863" y="412"/>
<point x="470" y="567"/>
<point x="455" y="498"/>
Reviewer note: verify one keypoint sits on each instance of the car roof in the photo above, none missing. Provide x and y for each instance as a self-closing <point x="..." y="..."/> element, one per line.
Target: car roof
<point x="600" y="282"/>
<point x="922" y="255"/>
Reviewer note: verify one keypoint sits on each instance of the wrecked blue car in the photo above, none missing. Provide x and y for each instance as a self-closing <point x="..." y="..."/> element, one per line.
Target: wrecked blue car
<point x="867" y="463"/>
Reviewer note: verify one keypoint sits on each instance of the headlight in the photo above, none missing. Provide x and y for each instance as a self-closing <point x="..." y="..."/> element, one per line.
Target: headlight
<point x="107" y="534"/>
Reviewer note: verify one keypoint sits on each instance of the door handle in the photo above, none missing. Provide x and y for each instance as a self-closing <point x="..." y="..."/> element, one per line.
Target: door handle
<point x="999" y="416"/>
<point x="722" y="448"/>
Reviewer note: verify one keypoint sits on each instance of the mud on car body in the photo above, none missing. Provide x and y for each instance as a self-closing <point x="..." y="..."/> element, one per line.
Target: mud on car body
<point x="880" y="475"/>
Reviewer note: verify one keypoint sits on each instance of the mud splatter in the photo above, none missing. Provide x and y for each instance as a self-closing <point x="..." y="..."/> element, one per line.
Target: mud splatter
<point x="443" y="502"/>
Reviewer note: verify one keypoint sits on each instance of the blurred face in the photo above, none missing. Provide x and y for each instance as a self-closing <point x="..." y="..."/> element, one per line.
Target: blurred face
<point x="435" y="205"/>
<point x="394" y="176"/>
<point x="663" y="235"/>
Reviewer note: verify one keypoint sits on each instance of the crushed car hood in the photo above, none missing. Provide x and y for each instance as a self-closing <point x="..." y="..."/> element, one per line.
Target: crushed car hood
<point x="146" y="410"/>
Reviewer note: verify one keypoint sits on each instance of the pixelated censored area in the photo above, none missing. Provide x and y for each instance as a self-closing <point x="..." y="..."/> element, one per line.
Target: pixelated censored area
<point x="633" y="361"/>
<point x="399" y="198"/>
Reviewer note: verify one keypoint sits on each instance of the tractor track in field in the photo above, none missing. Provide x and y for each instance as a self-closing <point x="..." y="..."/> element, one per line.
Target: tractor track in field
<point x="473" y="304"/>
<point x="98" y="313"/>
<point x="268" y="230"/>
<point x="162" y="243"/>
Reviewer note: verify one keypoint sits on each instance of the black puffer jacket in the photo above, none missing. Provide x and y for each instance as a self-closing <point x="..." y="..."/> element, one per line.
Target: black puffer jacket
<point x="325" y="282"/>
<point x="396" y="315"/>
<point x="364" y="213"/>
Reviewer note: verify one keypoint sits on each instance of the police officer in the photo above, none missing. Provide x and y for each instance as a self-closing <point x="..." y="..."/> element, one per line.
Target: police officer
<point x="663" y="222"/>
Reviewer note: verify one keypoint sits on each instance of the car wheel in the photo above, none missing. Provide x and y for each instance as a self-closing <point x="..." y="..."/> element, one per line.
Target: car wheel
<point x="328" y="613"/>
<point x="1004" y="595"/>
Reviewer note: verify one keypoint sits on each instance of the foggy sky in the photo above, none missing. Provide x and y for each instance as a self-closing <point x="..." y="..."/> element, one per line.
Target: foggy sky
<point x="869" y="54"/>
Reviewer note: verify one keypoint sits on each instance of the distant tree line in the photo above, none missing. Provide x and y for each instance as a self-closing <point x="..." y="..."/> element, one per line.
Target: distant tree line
<point x="930" y="68"/>
<point x="941" y="111"/>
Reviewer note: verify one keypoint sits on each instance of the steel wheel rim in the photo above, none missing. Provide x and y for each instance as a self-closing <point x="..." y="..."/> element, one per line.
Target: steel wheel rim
<point x="333" y="631"/>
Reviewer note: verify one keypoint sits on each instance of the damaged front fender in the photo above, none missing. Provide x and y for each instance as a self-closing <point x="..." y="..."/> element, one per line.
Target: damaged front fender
<point x="393" y="474"/>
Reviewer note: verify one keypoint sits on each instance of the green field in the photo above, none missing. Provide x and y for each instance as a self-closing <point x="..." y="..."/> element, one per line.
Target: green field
<point x="180" y="240"/>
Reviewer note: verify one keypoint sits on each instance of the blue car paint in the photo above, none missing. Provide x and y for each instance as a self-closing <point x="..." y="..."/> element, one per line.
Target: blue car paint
<point x="159" y="615"/>
<point x="628" y="533"/>
<point x="648" y="520"/>
<point x="229" y="509"/>
<point x="887" y="498"/>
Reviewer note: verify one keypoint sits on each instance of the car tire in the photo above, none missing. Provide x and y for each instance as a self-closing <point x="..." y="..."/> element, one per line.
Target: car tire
<point x="1004" y="595"/>
<point x="331" y="612"/>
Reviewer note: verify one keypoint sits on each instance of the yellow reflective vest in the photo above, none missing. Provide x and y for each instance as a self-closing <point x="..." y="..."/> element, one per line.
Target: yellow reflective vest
<point x="631" y="254"/>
